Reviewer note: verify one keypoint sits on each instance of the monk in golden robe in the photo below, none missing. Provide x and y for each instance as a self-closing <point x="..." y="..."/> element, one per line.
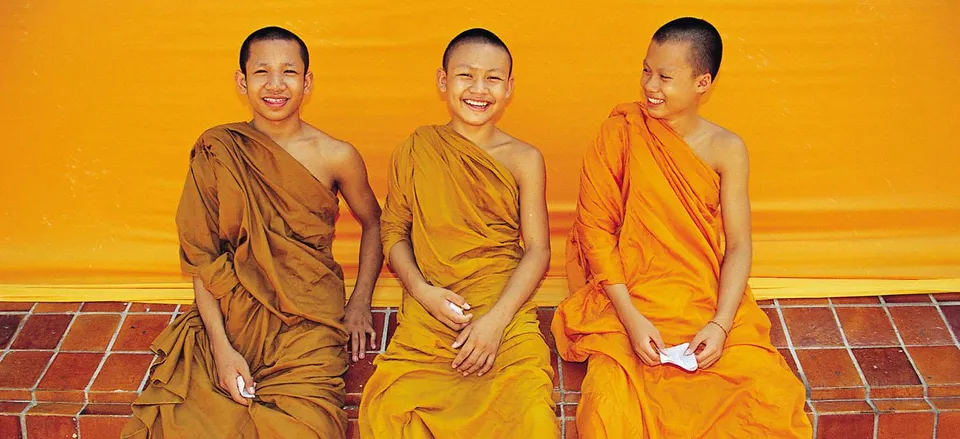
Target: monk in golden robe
<point x="262" y="352"/>
<point x="468" y="358"/>
<point x="653" y="264"/>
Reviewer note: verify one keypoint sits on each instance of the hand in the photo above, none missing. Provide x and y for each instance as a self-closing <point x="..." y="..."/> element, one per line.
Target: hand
<point x="359" y="323"/>
<point x="644" y="337"/>
<point x="437" y="302"/>
<point x="708" y="345"/>
<point x="229" y="364"/>
<point x="479" y="343"/>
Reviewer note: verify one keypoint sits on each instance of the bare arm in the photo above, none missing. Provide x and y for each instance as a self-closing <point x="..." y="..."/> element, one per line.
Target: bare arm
<point x="353" y="184"/>
<point x="535" y="230"/>
<point x="735" y="208"/>
<point x="735" y="267"/>
<point x="209" y="309"/>
<point x="351" y="179"/>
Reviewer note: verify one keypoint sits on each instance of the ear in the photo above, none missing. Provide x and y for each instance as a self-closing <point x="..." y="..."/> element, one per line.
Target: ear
<point x="704" y="82"/>
<point x="442" y="79"/>
<point x="241" y="81"/>
<point x="308" y="83"/>
<point x="509" y="87"/>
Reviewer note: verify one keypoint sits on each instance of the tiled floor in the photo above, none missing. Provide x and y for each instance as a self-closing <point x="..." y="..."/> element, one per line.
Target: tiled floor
<point x="874" y="367"/>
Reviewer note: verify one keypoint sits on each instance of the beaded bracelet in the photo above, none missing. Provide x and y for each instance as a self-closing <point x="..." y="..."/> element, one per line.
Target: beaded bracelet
<point x="725" y="332"/>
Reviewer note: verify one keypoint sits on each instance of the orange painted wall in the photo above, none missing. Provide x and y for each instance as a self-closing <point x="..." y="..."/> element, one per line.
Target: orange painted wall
<point x="848" y="109"/>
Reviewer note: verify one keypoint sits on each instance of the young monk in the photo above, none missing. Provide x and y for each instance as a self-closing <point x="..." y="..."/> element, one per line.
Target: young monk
<point x="467" y="359"/>
<point x="256" y="223"/>
<point x="653" y="264"/>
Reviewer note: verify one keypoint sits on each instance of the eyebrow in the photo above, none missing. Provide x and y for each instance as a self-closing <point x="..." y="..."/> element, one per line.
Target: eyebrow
<point x="497" y="69"/>
<point x="264" y="63"/>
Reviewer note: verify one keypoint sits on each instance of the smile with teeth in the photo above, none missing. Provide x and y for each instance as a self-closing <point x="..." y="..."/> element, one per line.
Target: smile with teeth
<point x="478" y="104"/>
<point x="655" y="101"/>
<point x="275" y="101"/>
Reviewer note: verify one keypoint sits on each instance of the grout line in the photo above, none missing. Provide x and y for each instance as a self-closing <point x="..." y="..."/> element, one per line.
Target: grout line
<point x="106" y="354"/>
<point x="916" y="370"/>
<point x="856" y="365"/>
<point x="792" y="349"/>
<point x="948" y="326"/>
<point x="816" y="416"/>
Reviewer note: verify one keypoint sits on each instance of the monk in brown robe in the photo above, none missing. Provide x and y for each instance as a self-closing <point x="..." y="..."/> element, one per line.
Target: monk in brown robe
<point x="465" y="229"/>
<point x="256" y="224"/>
<point x="653" y="264"/>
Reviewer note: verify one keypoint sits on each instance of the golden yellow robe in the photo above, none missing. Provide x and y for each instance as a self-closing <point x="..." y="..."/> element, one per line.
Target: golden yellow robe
<point x="648" y="216"/>
<point x="459" y="208"/>
<point x="256" y="227"/>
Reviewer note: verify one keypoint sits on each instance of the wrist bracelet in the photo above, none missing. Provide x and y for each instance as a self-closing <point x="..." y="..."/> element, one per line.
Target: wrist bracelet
<point x="725" y="332"/>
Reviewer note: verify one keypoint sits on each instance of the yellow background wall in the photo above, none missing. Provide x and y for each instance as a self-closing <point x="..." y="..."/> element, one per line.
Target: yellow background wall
<point x="848" y="109"/>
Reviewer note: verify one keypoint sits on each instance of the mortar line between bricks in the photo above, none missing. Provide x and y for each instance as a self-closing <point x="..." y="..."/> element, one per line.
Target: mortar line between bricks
<point x="793" y="350"/>
<point x="856" y="365"/>
<point x="916" y="370"/>
<point x="106" y="354"/>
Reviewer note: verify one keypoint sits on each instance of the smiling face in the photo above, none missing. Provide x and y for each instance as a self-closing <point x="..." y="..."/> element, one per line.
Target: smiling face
<point x="670" y="86"/>
<point x="275" y="83"/>
<point x="476" y="83"/>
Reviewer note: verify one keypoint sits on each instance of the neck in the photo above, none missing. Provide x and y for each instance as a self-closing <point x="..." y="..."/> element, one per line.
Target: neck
<point x="685" y="124"/>
<point x="481" y="135"/>
<point x="279" y="131"/>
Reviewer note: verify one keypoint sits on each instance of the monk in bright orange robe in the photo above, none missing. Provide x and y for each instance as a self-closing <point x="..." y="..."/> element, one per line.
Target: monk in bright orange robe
<point x="645" y="258"/>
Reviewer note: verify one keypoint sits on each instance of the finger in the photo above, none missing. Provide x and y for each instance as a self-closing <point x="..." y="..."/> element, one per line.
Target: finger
<point x="235" y="394"/>
<point x="362" y="337"/>
<point x="487" y="365"/>
<point x="707" y="353"/>
<point x="481" y="359"/>
<point x="470" y="361"/>
<point x="244" y="371"/>
<point x="651" y="352"/>
<point x="697" y="339"/>
<point x="462" y="338"/>
<point x="463" y="356"/>
<point x="458" y="300"/>
<point x="657" y="340"/>
<point x="354" y="345"/>
<point x="642" y="355"/>
<point x="460" y="319"/>
<point x="373" y="337"/>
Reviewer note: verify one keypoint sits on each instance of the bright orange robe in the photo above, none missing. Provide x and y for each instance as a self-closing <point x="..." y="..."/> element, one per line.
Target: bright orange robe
<point x="459" y="209"/>
<point x="649" y="217"/>
<point x="256" y="227"/>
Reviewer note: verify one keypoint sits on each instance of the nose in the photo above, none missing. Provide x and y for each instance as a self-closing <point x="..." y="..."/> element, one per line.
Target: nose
<point x="478" y="85"/>
<point x="275" y="81"/>
<point x="650" y="84"/>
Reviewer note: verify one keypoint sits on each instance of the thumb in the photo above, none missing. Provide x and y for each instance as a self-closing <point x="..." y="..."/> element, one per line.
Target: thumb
<point x="247" y="380"/>
<point x="462" y="338"/>
<point x="658" y="341"/>
<point x="694" y="344"/>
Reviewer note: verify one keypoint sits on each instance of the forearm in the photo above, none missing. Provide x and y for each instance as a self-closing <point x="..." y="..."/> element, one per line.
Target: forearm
<point x="522" y="283"/>
<point x="209" y="309"/>
<point x="405" y="266"/>
<point x="370" y="263"/>
<point x="734" y="271"/>
<point x="620" y="298"/>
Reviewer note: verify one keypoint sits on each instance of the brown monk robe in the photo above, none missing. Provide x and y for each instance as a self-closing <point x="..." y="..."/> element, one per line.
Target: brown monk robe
<point x="256" y="228"/>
